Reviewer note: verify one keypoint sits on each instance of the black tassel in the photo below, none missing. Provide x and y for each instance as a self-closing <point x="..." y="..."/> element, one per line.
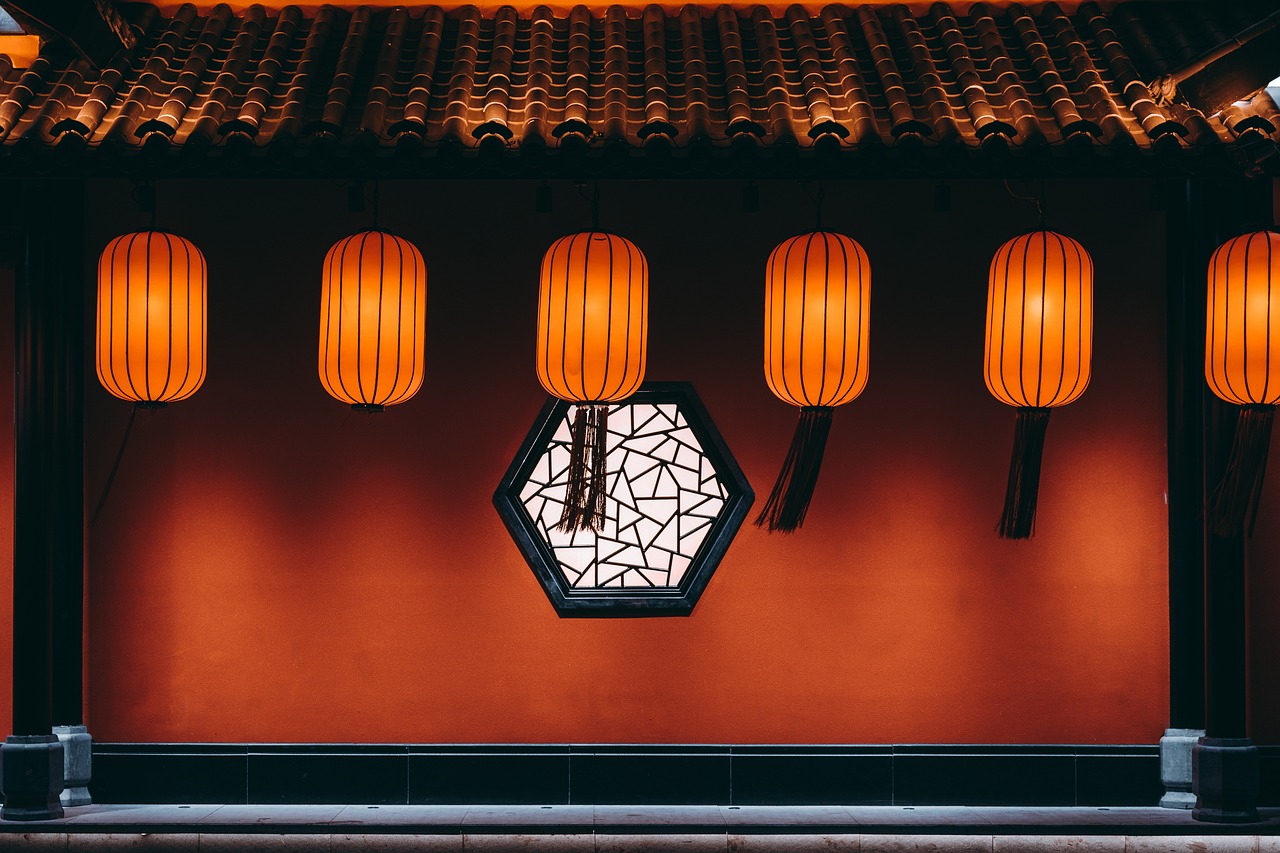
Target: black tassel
<point x="789" y="500"/>
<point x="584" y="500"/>
<point x="1018" y="520"/>
<point x="1235" y="500"/>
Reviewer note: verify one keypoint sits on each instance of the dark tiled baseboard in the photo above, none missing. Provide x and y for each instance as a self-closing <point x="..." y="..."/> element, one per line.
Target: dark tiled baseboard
<point x="946" y="774"/>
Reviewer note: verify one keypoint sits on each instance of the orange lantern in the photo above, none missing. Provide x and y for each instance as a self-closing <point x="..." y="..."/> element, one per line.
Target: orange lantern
<point x="593" y="308"/>
<point x="1242" y="366"/>
<point x="373" y="301"/>
<point x="816" y="322"/>
<point x="1039" y="351"/>
<point x="151" y="323"/>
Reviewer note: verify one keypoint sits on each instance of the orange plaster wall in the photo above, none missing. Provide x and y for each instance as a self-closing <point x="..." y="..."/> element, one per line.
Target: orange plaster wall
<point x="271" y="567"/>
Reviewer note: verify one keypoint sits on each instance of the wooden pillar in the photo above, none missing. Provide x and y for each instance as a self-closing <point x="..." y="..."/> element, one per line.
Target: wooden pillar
<point x="1225" y="761"/>
<point x="68" y="557"/>
<point x="1186" y="249"/>
<point x="48" y="507"/>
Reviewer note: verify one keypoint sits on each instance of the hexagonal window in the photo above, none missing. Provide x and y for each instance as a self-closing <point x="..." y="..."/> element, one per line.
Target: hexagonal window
<point x="675" y="499"/>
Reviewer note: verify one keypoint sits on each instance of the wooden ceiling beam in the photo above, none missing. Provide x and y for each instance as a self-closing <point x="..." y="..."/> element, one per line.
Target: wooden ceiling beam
<point x="1232" y="71"/>
<point x="93" y="29"/>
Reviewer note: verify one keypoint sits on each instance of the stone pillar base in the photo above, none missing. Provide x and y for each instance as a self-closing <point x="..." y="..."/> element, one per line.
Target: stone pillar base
<point x="31" y="776"/>
<point x="1225" y="780"/>
<point x="1175" y="767"/>
<point x="77" y="765"/>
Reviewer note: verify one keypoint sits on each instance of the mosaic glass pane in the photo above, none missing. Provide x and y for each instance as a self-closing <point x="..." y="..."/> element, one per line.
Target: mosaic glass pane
<point x="663" y="497"/>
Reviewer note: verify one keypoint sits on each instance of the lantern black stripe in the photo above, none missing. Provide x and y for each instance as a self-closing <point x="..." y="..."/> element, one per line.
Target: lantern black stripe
<point x="786" y="286"/>
<point x="146" y="323"/>
<point x="564" y="314"/>
<point x="342" y="301"/>
<point x="863" y="350"/>
<point x="168" y="373"/>
<point x="128" y="310"/>
<point x="608" y="327"/>
<point x="1022" y="339"/>
<point x="204" y="322"/>
<point x="1085" y="267"/>
<point x="1211" y="327"/>
<point x="768" y="321"/>
<point x="393" y="396"/>
<point x="419" y="267"/>
<point x="103" y="271"/>
<point x="559" y="379"/>
<point x="643" y="321"/>
<point x="399" y="394"/>
<point x="836" y="398"/>
<point x="173" y="344"/>
<point x="551" y="379"/>
<point x="804" y="311"/>
<point x="364" y="398"/>
<point x="1244" y="317"/>
<point x="991" y="313"/>
<point x="1055" y="398"/>
<point x="1226" y="375"/>
<point x="826" y="290"/>
<point x="1044" y="284"/>
<point x="1266" y="385"/>
<point x="1004" y="316"/>
<point x="1211" y="345"/>
<point x="826" y="308"/>
<point x="543" y="345"/>
<point x="562" y="310"/>
<point x="373" y="396"/>
<point x="108" y="369"/>
<point x="326" y="335"/>
<point x="188" y="385"/>
<point x="582" y="327"/>
<point x="626" y="350"/>
<point x="186" y="367"/>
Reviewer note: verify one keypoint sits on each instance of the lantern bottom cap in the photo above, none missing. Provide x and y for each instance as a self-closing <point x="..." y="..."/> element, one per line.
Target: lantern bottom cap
<point x="367" y="408"/>
<point x="150" y="404"/>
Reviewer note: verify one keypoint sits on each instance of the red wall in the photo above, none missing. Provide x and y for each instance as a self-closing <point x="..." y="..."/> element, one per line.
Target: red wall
<point x="272" y="567"/>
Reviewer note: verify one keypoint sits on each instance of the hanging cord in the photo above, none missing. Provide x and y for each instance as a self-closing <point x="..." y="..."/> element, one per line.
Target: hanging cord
<point x="817" y="201"/>
<point x="592" y="198"/>
<point x="1037" y="200"/>
<point x="111" y="478"/>
<point x="377" y="203"/>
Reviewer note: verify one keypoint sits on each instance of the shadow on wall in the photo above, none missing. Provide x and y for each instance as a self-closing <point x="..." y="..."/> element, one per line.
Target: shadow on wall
<point x="273" y="567"/>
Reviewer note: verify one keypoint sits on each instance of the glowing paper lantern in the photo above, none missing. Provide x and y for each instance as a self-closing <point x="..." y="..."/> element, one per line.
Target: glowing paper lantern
<point x="151" y="323"/>
<point x="816" y="321"/>
<point x="593" y="308"/>
<point x="372" y="320"/>
<point x="1039" y="351"/>
<point x="1242" y="366"/>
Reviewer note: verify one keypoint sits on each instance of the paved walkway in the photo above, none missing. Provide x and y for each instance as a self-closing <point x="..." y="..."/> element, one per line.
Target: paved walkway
<point x="636" y="829"/>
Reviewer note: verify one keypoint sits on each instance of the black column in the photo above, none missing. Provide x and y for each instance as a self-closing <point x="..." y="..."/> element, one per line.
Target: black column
<point x="67" y="378"/>
<point x="48" y="299"/>
<point x="1186" y="251"/>
<point x="1225" y="762"/>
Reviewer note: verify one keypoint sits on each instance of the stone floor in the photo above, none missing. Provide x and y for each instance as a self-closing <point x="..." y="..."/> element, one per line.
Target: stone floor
<point x="635" y="829"/>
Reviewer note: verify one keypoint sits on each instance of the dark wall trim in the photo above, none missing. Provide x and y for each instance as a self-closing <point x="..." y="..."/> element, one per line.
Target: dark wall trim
<point x="948" y="774"/>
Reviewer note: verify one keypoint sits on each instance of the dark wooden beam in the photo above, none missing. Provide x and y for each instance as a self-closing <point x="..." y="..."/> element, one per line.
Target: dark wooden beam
<point x="1232" y="71"/>
<point x="93" y="29"/>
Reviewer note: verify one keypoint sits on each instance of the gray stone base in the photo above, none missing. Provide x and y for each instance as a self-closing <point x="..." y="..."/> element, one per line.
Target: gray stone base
<point x="1225" y="780"/>
<point x="1175" y="767"/>
<point x="77" y="752"/>
<point x="31" y="775"/>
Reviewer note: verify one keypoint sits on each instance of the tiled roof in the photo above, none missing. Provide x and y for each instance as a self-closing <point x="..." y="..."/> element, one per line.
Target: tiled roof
<point x="417" y="80"/>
